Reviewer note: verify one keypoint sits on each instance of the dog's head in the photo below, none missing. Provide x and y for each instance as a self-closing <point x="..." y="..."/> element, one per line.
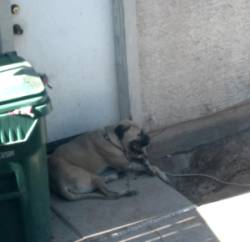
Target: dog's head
<point x="133" y="139"/>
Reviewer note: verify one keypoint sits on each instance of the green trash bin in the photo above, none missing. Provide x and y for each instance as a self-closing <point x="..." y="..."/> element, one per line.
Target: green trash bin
<point x="24" y="194"/>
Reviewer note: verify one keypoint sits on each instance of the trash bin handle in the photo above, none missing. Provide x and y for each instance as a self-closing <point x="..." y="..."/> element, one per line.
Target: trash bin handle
<point x="17" y="171"/>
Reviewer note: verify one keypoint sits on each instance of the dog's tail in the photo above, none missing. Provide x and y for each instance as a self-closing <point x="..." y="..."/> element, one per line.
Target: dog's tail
<point x="73" y="195"/>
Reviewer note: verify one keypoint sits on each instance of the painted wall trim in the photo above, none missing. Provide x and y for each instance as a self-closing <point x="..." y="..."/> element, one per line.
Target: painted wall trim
<point x="127" y="61"/>
<point x="6" y="34"/>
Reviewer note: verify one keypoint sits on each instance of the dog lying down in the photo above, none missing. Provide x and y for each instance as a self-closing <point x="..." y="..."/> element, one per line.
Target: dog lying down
<point x="77" y="169"/>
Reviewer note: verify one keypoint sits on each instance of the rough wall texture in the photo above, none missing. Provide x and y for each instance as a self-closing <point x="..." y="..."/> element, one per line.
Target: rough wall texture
<point x="194" y="57"/>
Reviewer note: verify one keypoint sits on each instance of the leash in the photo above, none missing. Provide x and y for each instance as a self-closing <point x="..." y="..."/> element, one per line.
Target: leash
<point x="153" y="169"/>
<point x="209" y="177"/>
<point x="157" y="172"/>
<point x="163" y="176"/>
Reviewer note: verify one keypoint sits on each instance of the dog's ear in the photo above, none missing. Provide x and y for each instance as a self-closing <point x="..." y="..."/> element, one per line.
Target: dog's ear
<point x="120" y="130"/>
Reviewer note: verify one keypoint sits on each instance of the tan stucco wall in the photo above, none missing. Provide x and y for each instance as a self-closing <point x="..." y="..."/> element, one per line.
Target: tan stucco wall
<point x="194" y="58"/>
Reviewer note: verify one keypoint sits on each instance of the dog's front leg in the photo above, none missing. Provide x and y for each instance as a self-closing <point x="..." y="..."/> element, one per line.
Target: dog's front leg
<point x="157" y="172"/>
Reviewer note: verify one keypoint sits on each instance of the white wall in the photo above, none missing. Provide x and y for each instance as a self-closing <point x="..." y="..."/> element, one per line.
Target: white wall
<point x="72" y="42"/>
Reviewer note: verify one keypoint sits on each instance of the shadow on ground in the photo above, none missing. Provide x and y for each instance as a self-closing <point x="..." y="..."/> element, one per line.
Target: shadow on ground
<point x="158" y="213"/>
<point x="227" y="159"/>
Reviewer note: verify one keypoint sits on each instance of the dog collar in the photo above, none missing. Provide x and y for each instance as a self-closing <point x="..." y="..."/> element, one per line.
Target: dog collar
<point x="108" y="138"/>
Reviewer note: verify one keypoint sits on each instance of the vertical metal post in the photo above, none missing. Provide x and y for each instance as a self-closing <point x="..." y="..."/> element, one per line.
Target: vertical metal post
<point x="127" y="64"/>
<point x="6" y="33"/>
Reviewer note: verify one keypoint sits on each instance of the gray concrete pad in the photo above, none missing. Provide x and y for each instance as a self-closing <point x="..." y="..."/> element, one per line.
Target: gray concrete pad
<point x="184" y="225"/>
<point x="60" y="231"/>
<point x="158" y="213"/>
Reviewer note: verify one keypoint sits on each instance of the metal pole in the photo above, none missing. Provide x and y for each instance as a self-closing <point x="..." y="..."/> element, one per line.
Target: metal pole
<point x="6" y="32"/>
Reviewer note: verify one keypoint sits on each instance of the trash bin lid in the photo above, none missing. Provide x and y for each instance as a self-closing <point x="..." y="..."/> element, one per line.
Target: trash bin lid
<point x="19" y="81"/>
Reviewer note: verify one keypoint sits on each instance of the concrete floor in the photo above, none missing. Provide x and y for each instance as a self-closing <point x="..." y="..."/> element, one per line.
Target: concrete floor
<point x="158" y="213"/>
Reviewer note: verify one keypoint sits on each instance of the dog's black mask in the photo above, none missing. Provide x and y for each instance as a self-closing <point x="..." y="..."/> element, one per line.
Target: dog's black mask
<point x="136" y="146"/>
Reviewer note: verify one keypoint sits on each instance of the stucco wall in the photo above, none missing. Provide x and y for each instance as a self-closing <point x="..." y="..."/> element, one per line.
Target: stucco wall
<point x="194" y="57"/>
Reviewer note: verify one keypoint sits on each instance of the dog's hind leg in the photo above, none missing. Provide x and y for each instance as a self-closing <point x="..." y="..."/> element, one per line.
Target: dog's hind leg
<point x="103" y="192"/>
<point x="102" y="187"/>
<point x="73" y="195"/>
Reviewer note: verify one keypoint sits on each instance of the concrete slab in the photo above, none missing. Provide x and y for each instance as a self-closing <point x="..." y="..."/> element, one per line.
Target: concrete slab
<point x="159" y="212"/>
<point x="60" y="231"/>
